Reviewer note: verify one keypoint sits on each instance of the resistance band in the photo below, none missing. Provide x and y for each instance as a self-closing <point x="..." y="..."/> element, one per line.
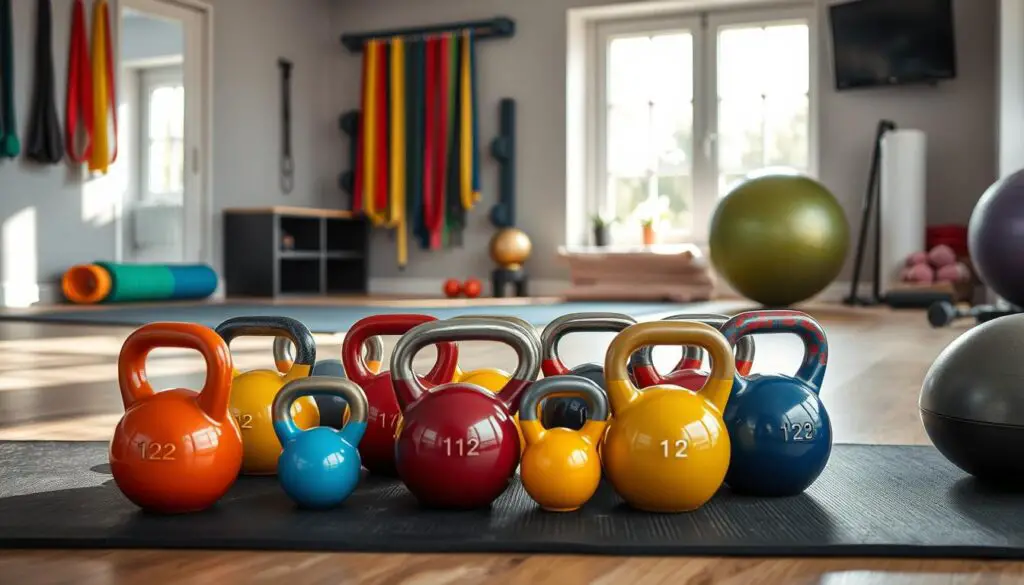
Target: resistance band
<point x="45" y="145"/>
<point x="455" y="216"/>
<point x="287" y="163"/>
<point x="397" y="219"/>
<point x="414" y="138"/>
<point x="369" y="131"/>
<point x="79" y="90"/>
<point x="104" y="151"/>
<point x="474" y="103"/>
<point x="357" y="194"/>
<point x="430" y="124"/>
<point x="380" y="195"/>
<point x="435" y="223"/>
<point x="469" y="195"/>
<point x="10" y="147"/>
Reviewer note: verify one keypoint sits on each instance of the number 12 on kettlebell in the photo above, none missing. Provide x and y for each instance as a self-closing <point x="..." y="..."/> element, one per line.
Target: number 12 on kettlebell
<point x="780" y="431"/>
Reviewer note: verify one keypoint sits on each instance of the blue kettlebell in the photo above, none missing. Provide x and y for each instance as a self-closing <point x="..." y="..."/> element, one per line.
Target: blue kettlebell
<point x="319" y="467"/>
<point x="332" y="408"/>
<point x="780" y="432"/>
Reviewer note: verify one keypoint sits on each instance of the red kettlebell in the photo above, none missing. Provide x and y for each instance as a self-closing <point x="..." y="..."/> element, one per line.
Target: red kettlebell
<point x="177" y="450"/>
<point x="688" y="372"/>
<point x="458" y="446"/>
<point x="377" y="448"/>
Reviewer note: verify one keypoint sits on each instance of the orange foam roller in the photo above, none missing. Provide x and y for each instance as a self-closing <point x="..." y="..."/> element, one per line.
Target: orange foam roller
<point x="86" y="284"/>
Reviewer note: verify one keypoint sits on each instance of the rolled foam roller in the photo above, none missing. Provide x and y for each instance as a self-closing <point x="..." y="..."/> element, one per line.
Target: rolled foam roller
<point x="86" y="284"/>
<point x="139" y="282"/>
<point x="197" y="281"/>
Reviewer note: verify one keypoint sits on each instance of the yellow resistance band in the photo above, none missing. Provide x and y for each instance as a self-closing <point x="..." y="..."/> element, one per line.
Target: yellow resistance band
<point x="369" y="129"/>
<point x="469" y="198"/>
<point x="397" y="219"/>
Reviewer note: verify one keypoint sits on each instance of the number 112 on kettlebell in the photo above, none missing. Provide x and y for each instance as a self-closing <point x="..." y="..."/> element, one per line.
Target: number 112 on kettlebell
<point x="780" y="431"/>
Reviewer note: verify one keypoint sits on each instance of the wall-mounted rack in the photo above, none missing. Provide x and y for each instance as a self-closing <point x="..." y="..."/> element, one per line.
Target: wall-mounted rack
<point x="492" y="28"/>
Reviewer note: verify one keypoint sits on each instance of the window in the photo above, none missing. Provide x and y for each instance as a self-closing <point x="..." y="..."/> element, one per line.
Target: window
<point x="687" y="107"/>
<point x="163" y="170"/>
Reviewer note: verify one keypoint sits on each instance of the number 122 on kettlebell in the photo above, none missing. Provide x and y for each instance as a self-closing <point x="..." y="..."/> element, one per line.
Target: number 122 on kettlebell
<point x="780" y="431"/>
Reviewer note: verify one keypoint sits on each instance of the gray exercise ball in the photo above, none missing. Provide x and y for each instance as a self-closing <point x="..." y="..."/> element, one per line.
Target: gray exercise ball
<point x="332" y="408"/>
<point x="972" y="401"/>
<point x="995" y="238"/>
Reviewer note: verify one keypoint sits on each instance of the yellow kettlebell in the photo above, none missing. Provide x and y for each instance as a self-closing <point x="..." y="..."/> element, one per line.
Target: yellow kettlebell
<point x="494" y="379"/>
<point x="667" y="448"/>
<point x="561" y="467"/>
<point x="253" y="392"/>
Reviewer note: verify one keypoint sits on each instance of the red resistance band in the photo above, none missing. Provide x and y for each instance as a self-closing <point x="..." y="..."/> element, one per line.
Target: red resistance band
<point x="435" y="224"/>
<point x="79" y="94"/>
<point x="428" y="131"/>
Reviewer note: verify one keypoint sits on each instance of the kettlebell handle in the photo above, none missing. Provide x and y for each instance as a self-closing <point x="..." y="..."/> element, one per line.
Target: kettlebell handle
<point x="131" y="365"/>
<point x="622" y="392"/>
<point x="262" y="326"/>
<point x="284" y="355"/>
<point x="526" y="325"/>
<point x="397" y="324"/>
<point x="810" y="332"/>
<point x="692" y="356"/>
<point x="408" y="387"/>
<point x="284" y="424"/>
<point x="576" y="322"/>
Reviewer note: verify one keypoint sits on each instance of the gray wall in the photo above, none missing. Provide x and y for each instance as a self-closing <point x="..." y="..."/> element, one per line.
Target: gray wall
<point x="958" y="117"/>
<point x="145" y="37"/>
<point x="249" y="38"/>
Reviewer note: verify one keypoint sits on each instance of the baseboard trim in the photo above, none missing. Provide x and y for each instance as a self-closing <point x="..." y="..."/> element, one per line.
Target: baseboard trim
<point x="20" y="295"/>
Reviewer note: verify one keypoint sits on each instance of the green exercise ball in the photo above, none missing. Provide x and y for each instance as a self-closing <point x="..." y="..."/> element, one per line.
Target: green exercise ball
<point x="779" y="239"/>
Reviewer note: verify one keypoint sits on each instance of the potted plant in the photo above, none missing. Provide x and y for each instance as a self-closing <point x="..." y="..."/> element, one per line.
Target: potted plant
<point x="602" y="230"/>
<point x="649" y="214"/>
<point x="650" y="236"/>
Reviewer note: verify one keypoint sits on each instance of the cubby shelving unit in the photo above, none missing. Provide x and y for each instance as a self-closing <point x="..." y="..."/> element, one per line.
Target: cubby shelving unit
<point x="294" y="251"/>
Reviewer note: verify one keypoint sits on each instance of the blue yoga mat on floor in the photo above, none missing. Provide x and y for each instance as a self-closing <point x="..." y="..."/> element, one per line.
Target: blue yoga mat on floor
<point x="330" y="319"/>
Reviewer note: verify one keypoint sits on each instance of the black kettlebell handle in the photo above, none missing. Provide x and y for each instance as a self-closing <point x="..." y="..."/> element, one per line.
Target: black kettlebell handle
<point x="261" y="326"/>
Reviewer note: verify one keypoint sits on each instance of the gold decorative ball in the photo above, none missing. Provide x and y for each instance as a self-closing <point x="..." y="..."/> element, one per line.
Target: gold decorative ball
<point x="510" y="247"/>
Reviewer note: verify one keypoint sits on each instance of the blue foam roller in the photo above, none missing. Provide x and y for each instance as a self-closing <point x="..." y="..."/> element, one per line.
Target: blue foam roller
<point x="197" y="281"/>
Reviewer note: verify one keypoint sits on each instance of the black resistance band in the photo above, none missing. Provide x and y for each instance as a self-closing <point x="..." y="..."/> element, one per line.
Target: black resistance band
<point x="287" y="164"/>
<point x="44" y="141"/>
<point x="10" y="147"/>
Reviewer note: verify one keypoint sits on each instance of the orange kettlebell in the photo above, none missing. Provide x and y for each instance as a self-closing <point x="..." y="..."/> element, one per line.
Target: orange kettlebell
<point x="177" y="450"/>
<point x="561" y="467"/>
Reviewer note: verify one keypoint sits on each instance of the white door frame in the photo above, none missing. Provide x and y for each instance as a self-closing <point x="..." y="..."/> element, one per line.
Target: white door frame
<point x="198" y="238"/>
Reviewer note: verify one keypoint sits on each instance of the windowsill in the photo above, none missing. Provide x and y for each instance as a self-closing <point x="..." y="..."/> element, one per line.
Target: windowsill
<point x="657" y="249"/>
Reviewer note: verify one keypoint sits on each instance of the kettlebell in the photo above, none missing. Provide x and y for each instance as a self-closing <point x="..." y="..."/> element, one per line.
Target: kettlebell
<point x="493" y="379"/>
<point x="377" y="449"/>
<point x="781" y="433"/>
<point x="688" y="372"/>
<point x="458" y="446"/>
<point x="253" y="392"/>
<point x="666" y="448"/>
<point x="333" y="411"/>
<point x="561" y="467"/>
<point x="571" y="411"/>
<point x="156" y="457"/>
<point x="320" y="467"/>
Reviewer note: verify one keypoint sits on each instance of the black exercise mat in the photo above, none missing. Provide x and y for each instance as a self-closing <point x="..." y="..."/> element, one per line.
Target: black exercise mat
<point x="886" y="501"/>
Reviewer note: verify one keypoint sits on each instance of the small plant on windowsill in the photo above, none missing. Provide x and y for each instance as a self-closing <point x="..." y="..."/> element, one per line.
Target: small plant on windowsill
<point x="602" y="229"/>
<point x="651" y="214"/>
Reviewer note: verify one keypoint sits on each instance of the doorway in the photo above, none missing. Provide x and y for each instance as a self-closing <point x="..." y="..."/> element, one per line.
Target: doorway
<point x="163" y="137"/>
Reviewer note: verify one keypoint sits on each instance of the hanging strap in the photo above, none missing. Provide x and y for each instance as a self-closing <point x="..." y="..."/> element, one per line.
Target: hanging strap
<point x="104" y="151"/>
<point x="369" y="130"/>
<point x="469" y="195"/>
<point x="429" y="142"/>
<point x="455" y="215"/>
<point x="379" y="217"/>
<point x="435" y="222"/>
<point x="415" y="99"/>
<point x="398" y="161"/>
<point x="474" y="113"/>
<point x="45" y="144"/>
<point x="287" y="162"/>
<point x="10" y="146"/>
<point x="79" y="89"/>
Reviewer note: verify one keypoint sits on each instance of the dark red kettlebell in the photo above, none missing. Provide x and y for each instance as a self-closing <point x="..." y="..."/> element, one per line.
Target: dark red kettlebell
<point x="377" y="448"/>
<point x="571" y="411"/>
<point x="458" y="446"/>
<point x="688" y="372"/>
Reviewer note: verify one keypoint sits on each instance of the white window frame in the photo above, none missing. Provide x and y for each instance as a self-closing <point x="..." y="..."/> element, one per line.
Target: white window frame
<point x="150" y="79"/>
<point x="704" y="23"/>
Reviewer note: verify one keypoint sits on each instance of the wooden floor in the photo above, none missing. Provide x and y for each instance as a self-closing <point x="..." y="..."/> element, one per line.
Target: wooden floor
<point x="59" y="382"/>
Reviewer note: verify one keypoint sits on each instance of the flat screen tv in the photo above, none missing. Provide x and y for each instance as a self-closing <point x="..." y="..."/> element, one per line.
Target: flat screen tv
<point x="892" y="42"/>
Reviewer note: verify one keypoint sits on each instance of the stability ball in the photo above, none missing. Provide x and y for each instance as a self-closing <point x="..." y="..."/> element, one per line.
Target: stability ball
<point x="995" y="238"/>
<point x="971" y="402"/>
<point x="779" y="238"/>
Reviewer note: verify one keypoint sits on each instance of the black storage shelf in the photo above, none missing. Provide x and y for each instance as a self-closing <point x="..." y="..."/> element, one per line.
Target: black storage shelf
<point x="284" y="251"/>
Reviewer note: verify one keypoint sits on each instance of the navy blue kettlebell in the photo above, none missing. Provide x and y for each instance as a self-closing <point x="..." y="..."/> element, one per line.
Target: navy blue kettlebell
<point x="780" y="432"/>
<point x="319" y="467"/>
<point x="571" y="411"/>
<point x="332" y="407"/>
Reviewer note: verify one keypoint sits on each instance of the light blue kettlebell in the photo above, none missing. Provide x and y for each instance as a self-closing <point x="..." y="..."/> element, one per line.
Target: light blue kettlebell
<point x="319" y="467"/>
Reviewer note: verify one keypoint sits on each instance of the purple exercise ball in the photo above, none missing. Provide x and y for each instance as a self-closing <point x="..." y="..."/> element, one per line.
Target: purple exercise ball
<point x="995" y="238"/>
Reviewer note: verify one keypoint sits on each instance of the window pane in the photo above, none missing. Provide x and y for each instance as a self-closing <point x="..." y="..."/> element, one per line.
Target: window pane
<point x="159" y="152"/>
<point x="176" y="117"/>
<point x="672" y="68"/>
<point x="167" y="112"/>
<point x="629" y="140"/>
<point x="627" y="193"/>
<point x="679" y="191"/>
<point x="740" y="62"/>
<point x="740" y="135"/>
<point x="786" y="131"/>
<point x="176" y="172"/>
<point x="787" y="57"/>
<point x="672" y="125"/>
<point x="629" y="70"/>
